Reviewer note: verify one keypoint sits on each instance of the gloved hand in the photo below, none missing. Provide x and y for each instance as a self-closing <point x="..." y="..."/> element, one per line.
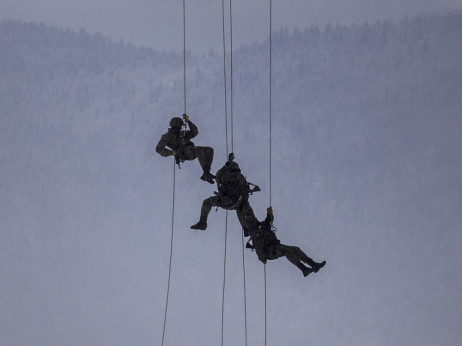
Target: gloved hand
<point x="269" y="215"/>
<point x="185" y="117"/>
<point x="174" y="153"/>
<point x="263" y="260"/>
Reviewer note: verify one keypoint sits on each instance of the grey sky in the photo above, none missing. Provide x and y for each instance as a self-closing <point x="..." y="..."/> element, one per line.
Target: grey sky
<point x="85" y="212"/>
<point x="158" y="23"/>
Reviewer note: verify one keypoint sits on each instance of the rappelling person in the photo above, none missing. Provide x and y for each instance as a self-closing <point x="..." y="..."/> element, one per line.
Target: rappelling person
<point x="268" y="247"/>
<point x="177" y="142"/>
<point x="233" y="194"/>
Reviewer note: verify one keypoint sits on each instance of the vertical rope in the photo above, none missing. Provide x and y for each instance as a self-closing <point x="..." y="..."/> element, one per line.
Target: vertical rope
<point x="232" y="150"/>
<point x="174" y="180"/>
<point x="231" y="42"/>
<point x="224" y="282"/>
<point x="224" y="76"/>
<point x="270" y="127"/>
<point x="184" y="54"/>
<point x="264" y="271"/>
<point x="227" y="153"/>
<point x="270" y="99"/>
<point x="171" y="253"/>
<point x="245" y="291"/>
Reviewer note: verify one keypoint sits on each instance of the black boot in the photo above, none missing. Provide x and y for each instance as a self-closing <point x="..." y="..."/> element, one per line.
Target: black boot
<point x="202" y="224"/>
<point x="317" y="266"/>
<point x="208" y="177"/>
<point x="305" y="270"/>
<point x="313" y="264"/>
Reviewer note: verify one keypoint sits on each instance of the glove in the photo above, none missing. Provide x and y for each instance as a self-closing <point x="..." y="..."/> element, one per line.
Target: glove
<point x="174" y="153"/>
<point x="269" y="215"/>
<point x="186" y="117"/>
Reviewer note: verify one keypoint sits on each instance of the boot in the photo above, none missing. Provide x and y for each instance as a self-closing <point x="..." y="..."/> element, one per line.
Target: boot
<point x="208" y="177"/>
<point x="202" y="224"/>
<point x="305" y="270"/>
<point x="318" y="266"/>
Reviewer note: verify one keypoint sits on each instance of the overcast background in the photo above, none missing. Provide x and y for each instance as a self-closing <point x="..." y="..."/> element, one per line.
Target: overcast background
<point x="158" y="23"/>
<point x="367" y="162"/>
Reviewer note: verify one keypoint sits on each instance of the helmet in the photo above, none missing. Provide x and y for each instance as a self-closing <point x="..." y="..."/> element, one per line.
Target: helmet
<point x="176" y="122"/>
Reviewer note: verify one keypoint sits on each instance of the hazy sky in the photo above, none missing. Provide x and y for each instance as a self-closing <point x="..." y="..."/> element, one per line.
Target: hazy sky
<point x="158" y="23"/>
<point x="85" y="220"/>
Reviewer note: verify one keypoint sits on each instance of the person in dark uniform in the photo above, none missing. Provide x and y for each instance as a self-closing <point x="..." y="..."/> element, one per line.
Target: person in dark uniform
<point x="268" y="247"/>
<point x="233" y="194"/>
<point x="177" y="142"/>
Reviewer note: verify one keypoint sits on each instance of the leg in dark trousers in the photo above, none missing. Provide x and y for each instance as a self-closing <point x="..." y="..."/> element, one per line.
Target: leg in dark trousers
<point x="205" y="158"/>
<point x="207" y="205"/>
<point x="246" y="218"/>
<point x="298" y="255"/>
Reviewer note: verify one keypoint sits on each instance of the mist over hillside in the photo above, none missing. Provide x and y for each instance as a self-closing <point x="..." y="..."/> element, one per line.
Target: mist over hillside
<point x="367" y="162"/>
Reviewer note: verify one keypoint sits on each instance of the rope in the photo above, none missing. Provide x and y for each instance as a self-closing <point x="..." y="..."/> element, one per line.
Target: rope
<point x="245" y="292"/>
<point x="171" y="253"/>
<point x="270" y="100"/>
<point x="270" y="127"/>
<point x="227" y="153"/>
<point x="231" y="42"/>
<point x="224" y="282"/>
<point x="232" y="150"/>
<point x="174" y="180"/>
<point x="184" y="54"/>
<point x="264" y="271"/>
<point x="224" y="76"/>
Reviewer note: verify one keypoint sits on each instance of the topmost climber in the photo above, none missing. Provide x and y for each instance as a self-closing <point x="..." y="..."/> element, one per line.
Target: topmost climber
<point x="177" y="142"/>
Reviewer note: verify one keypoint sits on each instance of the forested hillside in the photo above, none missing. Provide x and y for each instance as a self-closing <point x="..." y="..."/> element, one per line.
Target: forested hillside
<point x="366" y="158"/>
<point x="340" y="74"/>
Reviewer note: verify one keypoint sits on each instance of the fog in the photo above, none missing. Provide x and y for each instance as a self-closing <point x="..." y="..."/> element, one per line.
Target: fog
<point x="366" y="152"/>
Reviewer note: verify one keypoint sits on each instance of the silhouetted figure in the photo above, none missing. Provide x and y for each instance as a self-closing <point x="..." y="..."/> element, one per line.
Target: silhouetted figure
<point x="268" y="247"/>
<point x="233" y="194"/>
<point x="177" y="142"/>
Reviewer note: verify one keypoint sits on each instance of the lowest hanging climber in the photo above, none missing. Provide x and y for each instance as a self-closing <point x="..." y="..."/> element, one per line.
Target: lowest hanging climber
<point x="177" y="142"/>
<point x="268" y="247"/>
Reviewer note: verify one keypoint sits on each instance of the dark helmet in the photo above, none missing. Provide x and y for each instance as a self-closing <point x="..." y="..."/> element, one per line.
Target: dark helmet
<point x="176" y="122"/>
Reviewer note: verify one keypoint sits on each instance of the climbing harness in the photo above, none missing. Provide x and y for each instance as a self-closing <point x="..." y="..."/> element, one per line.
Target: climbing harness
<point x="182" y="144"/>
